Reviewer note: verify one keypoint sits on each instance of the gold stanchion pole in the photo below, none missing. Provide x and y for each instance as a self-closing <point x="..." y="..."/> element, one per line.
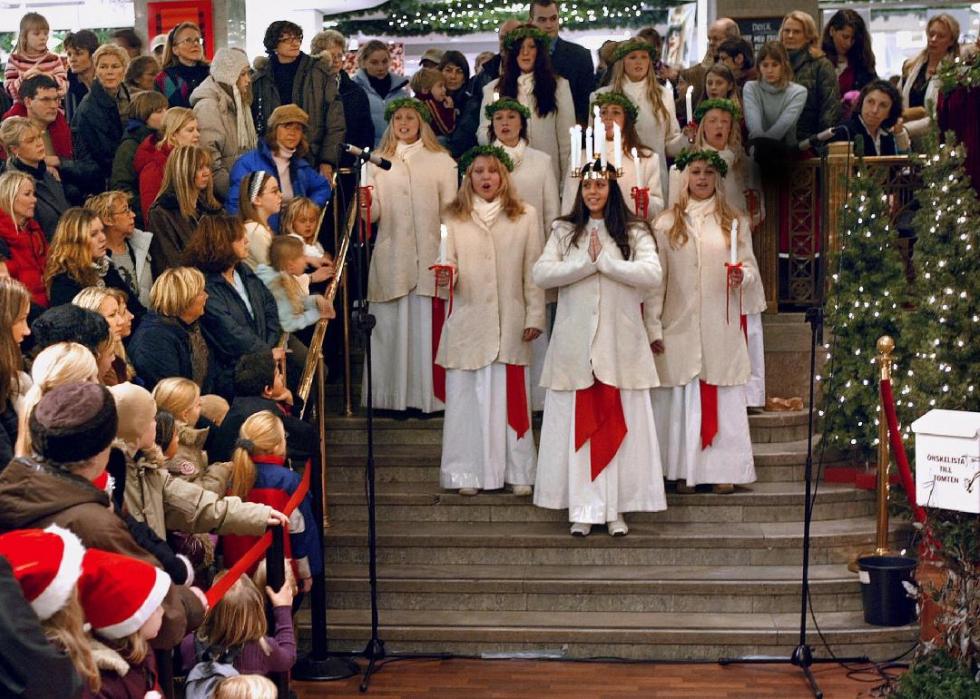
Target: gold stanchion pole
<point x="321" y="415"/>
<point x="886" y="345"/>
<point x="348" y="406"/>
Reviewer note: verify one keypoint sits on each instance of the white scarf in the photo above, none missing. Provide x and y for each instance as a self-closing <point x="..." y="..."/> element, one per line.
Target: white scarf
<point x="247" y="138"/>
<point x="515" y="153"/>
<point x="407" y="150"/>
<point x="485" y="211"/>
<point x="525" y="89"/>
<point x="698" y="212"/>
<point x="281" y="158"/>
<point x="636" y="91"/>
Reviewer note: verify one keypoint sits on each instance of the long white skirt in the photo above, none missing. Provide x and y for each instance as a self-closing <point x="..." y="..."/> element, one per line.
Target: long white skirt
<point x="755" y="389"/>
<point x="479" y="449"/>
<point x="677" y="411"/>
<point x="539" y="348"/>
<point x="401" y="355"/>
<point x="632" y="482"/>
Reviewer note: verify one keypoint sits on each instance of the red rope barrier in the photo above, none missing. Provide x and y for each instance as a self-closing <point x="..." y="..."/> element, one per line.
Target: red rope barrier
<point x="253" y="555"/>
<point x="898" y="449"/>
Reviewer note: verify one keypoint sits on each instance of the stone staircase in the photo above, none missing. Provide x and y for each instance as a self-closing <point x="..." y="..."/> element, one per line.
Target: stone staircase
<point x="712" y="576"/>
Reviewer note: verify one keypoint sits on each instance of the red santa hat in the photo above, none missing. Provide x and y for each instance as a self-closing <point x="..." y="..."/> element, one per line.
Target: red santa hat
<point x="47" y="563"/>
<point x="119" y="593"/>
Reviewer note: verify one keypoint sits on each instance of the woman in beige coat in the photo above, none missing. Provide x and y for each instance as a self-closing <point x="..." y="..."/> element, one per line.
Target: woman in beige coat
<point x="492" y="244"/>
<point x="697" y="337"/>
<point x="407" y="202"/>
<point x="599" y="369"/>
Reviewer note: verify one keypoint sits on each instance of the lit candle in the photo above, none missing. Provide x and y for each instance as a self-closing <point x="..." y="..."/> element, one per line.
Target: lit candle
<point x="598" y="137"/>
<point x="364" y="168"/>
<point x="732" y="254"/>
<point x="496" y="95"/>
<point x="690" y="110"/>
<point x="639" y="167"/>
<point x="588" y="145"/>
<point x="572" y="133"/>
<point x="617" y="147"/>
<point x="443" y="232"/>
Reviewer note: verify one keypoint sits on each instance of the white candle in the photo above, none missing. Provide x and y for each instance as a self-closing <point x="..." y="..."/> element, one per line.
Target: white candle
<point x="732" y="254"/>
<point x="496" y="95"/>
<point x="588" y="145"/>
<point x="690" y="110"/>
<point x="443" y="232"/>
<point x="572" y="133"/>
<point x="364" y="168"/>
<point x="617" y="147"/>
<point x="639" y="167"/>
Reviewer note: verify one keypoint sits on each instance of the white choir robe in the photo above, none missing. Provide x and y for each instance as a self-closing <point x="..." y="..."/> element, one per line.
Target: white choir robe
<point x="628" y="180"/>
<point x="755" y="389"/>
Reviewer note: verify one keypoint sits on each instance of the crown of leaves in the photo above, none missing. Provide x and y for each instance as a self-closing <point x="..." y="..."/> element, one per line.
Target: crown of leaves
<point x="604" y="98"/>
<point x="631" y="45"/>
<point x="507" y="103"/>
<point x="711" y="157"/>
<point x="494" y="151"/>
<point x="411" y="103"/>
<point x="718" y="103"/>
<point x="521" y="33"/>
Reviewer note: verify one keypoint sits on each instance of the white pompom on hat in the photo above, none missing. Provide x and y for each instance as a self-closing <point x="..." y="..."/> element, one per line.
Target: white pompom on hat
<point x="47" y="563"/>
<point x="118" y="593"/>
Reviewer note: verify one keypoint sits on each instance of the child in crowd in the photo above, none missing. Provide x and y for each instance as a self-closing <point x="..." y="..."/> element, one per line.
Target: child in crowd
<point x="773" y="103"/>
<point x="259" y="200"/>
<point x="182" y="398"/>
<point x="31" y="56"/>
<point x="298" y="309"/>
<point x="214" y="408"/>
<point x="246" y="687"/>
<point x="429" y="87"/>
<point x="300" y="220"/>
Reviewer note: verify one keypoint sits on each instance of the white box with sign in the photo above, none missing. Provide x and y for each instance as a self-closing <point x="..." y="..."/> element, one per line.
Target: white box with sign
<point x="947" y="460"/>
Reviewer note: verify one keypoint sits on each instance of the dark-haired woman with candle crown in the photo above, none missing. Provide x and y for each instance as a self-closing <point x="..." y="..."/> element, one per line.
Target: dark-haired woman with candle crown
<point x="697" y="336"/>
<point x="491" y="246"/>
<point x="599" y="454"/>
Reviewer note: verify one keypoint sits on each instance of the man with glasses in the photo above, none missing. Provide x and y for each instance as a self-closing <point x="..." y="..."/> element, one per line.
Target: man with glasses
<point x="293" y="77"/>
<point x="38" y="101"/>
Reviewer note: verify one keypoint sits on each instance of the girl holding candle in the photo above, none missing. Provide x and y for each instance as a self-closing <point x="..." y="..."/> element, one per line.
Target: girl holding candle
<point x="617" y="140"/>
<point x="697" y="338"/>
<point x="527" y="76"/>
<point x="406" y="204"/>
<point x="492" y="244"/>
<point x="599" y="454"/>
<point x="656" y="123"/>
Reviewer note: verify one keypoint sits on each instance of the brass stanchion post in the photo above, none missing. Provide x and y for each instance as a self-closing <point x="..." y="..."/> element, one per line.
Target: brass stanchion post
<point x="321" y="416"/>
<point x="886" y="345"/>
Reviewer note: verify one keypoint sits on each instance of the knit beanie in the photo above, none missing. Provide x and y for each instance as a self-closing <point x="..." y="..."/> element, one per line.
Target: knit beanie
<point x="73" y="422"/>
<point x="227" y="65"/>
<point x="119" y="594"/>
<point x="46" y="564"/>
<point x="287" y="114"/>
<point x="136" y="408"/>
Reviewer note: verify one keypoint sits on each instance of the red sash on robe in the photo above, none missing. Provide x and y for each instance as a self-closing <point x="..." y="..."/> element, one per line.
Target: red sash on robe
<point x="438" y="372"/>
<point x="599" y="420"/>
<point x="518" y="415"/>
<point x="709" y="399"/>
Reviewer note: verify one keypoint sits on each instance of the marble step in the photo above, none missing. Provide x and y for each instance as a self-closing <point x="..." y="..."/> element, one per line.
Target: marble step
<point x="695" y="589"/>
<point x="425" y="501"/>
<point x="704" y="636"/>
<point x="776" y="461"/>
<point x="648" y="543"/>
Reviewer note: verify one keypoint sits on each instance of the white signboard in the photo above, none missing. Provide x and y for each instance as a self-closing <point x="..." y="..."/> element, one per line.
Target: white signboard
<point x="947" y="460"/>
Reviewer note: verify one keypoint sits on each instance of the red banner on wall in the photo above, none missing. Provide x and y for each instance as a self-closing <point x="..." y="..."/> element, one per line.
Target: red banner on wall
<point x="163" y="16"/>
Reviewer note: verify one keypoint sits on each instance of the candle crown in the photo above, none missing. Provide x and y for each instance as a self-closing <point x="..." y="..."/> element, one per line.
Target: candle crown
<point x="596" y="170"/>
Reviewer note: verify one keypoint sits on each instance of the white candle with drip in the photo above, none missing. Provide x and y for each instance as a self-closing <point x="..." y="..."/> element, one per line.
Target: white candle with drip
<point x="572" y="133"/>
<point x="598" y="135"/>
<point x="618" y="147"/>
<point x="690" y="110"/>
<point x="732" y="254"/>
<point x="639" y="167"/>
<point x="364" y="168"/>
<point x="496" y="96"/>
<point x="443" y="233"/>
<point x="588" y="145"/>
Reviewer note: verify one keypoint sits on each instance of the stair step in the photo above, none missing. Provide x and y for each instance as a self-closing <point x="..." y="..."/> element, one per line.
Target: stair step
<point x="419" y="501"/>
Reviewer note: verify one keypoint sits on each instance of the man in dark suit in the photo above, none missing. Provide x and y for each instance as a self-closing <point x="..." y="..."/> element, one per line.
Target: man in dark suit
<point x="571" y="61"/>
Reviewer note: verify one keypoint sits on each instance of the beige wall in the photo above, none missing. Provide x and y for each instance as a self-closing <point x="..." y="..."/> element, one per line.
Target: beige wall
<point x="765" y="8"/>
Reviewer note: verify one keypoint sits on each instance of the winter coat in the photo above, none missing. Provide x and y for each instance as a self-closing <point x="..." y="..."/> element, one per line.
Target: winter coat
<point x="574" y="63"/>
<point x="160" y="348"/>
<point x="149" y="162"/>
<point x="306" y="181"/>
<point x="533" y="180"/>
<point x="289" y="318"/>
<point x="408" y="203"/>
<point x="598" y="331"/>
<point x="823" y="106"/>
<point x="229" y="328"/>
<point x="64" y="288"/>
<point x="191" y="461"/>
<point x="171" y="231"/>
<point x="8" y="433"/>
<point x="18" y="65"/>
<point x="301" y="437"/>
<point x="773" y="112"/>
<point x="910" y="71"/>
<point x="218" y="122"/>
<point x="253" y="660"/>
<point x="51" y="201"/>
<point x="399" y="89"/>
<point x="495" y="299"/>
<point x="28" y="254"/>
<point x="315" y="92"/>
<point x="120" y="679"/>
<point x="97" y="125"/>
<point x="125" y="176"/>
<point x="178" y="82"/>
<point x="75" y="94"/>
<point x="35" y="494"/>
<point x="137" y="256"/>
<point x="357" y="116"/>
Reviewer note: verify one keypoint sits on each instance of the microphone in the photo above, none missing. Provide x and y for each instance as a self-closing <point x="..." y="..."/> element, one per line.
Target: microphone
<point x="822" y="137"/>
<point x="366" y="154"/>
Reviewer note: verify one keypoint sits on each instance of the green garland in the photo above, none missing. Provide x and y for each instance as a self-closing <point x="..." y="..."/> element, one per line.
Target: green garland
<point x="604" y="98"/>
<point x="475" y="152"/>
<point x="411" y="103"/>
<point x="689" y="155"/>
<point x="959" y="73"/>
<point x="507" y="103"/>
<point x="717" y="103"/>
<point x="518" y="35"/>
<point x="631" y="45"/>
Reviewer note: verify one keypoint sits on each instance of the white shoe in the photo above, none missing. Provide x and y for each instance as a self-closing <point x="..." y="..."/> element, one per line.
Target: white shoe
<point x="521" y="490"/>
<point x="618" y="527"/>
<point x="469" y="492"/>
<point x="581" y="529"/>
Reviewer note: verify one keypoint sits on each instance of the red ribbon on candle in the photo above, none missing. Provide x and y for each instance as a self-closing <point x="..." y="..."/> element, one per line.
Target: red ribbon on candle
<point x="641" y="198"/>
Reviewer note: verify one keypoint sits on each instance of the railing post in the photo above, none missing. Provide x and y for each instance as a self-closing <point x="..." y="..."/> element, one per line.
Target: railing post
<point x="839" y="160"/>
<point x="886" y="345"/>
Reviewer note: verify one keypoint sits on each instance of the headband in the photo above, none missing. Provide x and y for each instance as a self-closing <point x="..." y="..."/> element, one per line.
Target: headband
<point x="522" y="33"/>
<point x="492" y="151"/>
<point x="709" y="156"/>
<point x="631" y="45"/>
<point x="717" y="103"/>
<point x="604" y="98"/>
<point x="507" y="103"/>
<point x="411" y="103"/>
<point x="258" y="179"/>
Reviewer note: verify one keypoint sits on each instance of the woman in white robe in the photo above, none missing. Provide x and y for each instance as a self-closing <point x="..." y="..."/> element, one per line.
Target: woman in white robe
<point x="599" y="454"/>
<point x="492" y="244"/>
